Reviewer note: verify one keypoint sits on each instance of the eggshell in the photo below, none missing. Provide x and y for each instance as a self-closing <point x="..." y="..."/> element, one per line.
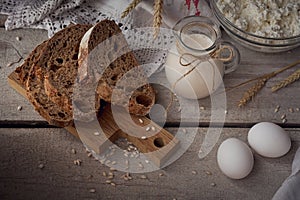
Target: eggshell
<point x="269" y="140"/>
<point x="235" y="158"/>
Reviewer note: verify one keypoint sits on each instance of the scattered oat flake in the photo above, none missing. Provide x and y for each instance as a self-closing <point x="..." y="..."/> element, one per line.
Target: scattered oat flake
<point x="89" y="155"/>
<point x="161" y="174"/>
<point x="297" y="109"/>
<point x="291" y="110"/>
<point x="143" y="137"/>
<point x="148" y="128"/>
<point x="96" y="133"/>
<point x="153" y="128"/>
<point x="284" y="120"/>
<point x="113" y="162"/>
<point x="141" y="165"/>
<point x="104" y="174"/>
<point x="226" y="111"/>
<point x="283" y="116"/>
<point x="18" y="38"/>
<point x="147" y="161"/>
<point x="194" y="172"/>
<point x="19" y="108"/>
<point x="202" y="108"/>
<point x="141" y="121"/>
<point x="112" y="169"/>
<point x="92" y="190"/>
<point x="213" y="184"/>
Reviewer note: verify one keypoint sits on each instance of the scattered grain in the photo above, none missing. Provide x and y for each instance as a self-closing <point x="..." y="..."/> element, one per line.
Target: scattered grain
<point x="202" y="108"/>
<point x="161" y="174"/>
<point x="291" y="110"/>
<point x="147" y="161"/>
<point x="213" y="184"/>
<point x="104" y="174"/>
<point x="297" y="109"/>
<point x="89" y="155"/>
<point x="113" y="184"/>
<point x="114" y="162"/>
<point x="226" y="111"/>
<point x="277" y="109"/>
<point x="19" y="108"/>
<point x="141" y="121"/>
<point x="96" y="133"/>
<point x="77" y="162"/>
<point x="141" y="165"/>
<point x="153" y="128"/>
<point x="148" y="128"/>
<point x="18" y="38"/>
<point x="92" y="190"/>
<point x="208" y="173"/>
<point x="143" y="176"/>
<point x="41" y="166"/>
<point x="112" y="169"/>
<point x="283" y="116"/>
<point x="108" y="181"/>
<point x="143" y="137"/>
<point x="194" y="172"/>
<point x="73" y="151"/>
<point x="284" y="120"/>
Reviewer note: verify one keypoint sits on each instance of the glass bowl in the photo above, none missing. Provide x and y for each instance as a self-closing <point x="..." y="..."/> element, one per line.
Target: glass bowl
<point x="251" y="41"/>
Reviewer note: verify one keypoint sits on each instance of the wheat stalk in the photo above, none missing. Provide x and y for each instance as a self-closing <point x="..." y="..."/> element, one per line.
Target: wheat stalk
<point x="131" y="6"/>
<point x="252" y="92"/>
<point x="157" y="20"/>
<point x="287" y="81"/>
<point x="260" y="83"/>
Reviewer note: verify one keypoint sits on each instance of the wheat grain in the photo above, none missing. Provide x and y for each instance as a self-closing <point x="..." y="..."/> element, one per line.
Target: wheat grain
<point x="157" y="19"/>
<point x="287" y="81"/>
<point x="131" y="6"/>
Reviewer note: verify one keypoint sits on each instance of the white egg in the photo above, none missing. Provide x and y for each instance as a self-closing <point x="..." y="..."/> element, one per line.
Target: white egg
<point x="235" y="158"/>
<point x="269" y="140"/>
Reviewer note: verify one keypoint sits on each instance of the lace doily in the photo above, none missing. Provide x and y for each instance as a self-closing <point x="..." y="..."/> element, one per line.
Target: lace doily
<point x="54" y="15"/>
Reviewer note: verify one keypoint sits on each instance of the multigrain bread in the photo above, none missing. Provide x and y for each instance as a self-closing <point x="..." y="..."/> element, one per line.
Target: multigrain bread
<point x="60" y="52"/>
<point x="23" y="70"/>
<point x="104" y="54"/>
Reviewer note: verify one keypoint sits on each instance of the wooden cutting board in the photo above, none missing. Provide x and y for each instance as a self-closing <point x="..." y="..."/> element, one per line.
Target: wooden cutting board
<point x="157" y="147"/>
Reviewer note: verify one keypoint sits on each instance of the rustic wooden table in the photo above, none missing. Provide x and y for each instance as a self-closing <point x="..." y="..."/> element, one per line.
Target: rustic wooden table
<point x="36" y="160"/>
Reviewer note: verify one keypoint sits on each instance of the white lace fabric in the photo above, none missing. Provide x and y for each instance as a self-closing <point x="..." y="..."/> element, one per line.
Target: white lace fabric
<point x="54" y="15"/>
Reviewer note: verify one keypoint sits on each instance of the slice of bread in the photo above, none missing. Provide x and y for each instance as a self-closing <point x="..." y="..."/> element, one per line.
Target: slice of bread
<point x="23" y="70"/>
<point x="105" y="48"/>
<point x="60" y="53"/>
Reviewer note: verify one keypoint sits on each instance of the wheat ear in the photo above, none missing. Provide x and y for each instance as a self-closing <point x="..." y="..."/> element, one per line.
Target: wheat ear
<point x="252" y="92"/>
<point x="260" y="83"/>
<point x="157" y="19"/>
<point x="131" y="6"/>
<point x="289" y="80"/>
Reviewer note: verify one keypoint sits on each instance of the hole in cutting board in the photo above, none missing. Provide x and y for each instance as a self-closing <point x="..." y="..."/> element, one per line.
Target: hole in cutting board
<point x="158" y="142"/>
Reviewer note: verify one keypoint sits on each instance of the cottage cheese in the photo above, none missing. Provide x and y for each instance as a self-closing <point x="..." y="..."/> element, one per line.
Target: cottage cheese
<point x="267" y="18"/>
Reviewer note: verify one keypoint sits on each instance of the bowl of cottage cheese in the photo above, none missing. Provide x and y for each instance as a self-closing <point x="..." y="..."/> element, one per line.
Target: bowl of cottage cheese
<point x="261" y="25"/>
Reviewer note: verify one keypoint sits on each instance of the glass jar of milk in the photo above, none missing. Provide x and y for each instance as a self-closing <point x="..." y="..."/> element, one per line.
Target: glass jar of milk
<point x="196" y="63"/>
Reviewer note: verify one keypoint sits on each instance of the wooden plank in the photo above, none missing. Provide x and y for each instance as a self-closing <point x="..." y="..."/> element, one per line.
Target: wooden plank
<point x="252" y="65"/>
<point x="23" y="150"/>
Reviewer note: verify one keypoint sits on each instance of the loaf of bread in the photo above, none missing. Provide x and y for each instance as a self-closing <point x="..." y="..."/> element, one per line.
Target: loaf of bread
<point x="59" y="54"/>
<point x="50" y="74"/>
<point x="105" y="56"/>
